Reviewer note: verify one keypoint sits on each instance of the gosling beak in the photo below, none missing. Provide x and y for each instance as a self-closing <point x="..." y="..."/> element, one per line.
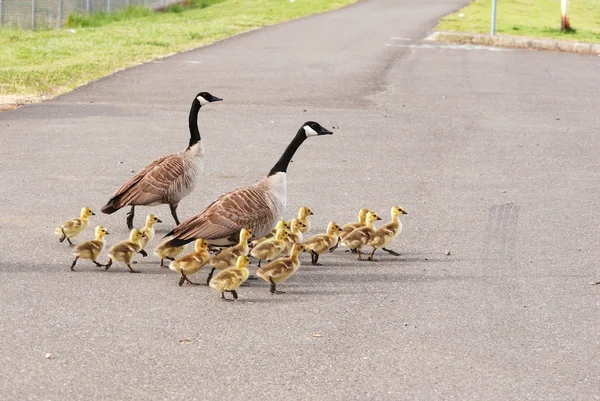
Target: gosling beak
<point x="93" y="214"/>
<point x="107" y="233"/>
<point x="311" y="213"/>
<point x="158" y="220"/>
<point x="378" y="218"/>
<point x="403" y="212"/>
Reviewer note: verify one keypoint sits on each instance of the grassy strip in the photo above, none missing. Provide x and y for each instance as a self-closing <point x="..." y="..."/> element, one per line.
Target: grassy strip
<point x="50" y="62"/>
<point x="534" y="18"/>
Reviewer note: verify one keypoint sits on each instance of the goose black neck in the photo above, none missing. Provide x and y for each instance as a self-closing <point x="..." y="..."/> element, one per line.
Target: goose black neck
<point x="193" y="121"/>
<point x="283" y="162"/>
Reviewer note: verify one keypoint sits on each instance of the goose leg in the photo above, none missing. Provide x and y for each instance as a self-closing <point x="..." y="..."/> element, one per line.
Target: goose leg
<point x="75" y="261"/>
<point x="131" y="270"/>
<point x="316" y="260"/>
<point x="210" y="276"/>
<point x="108" y="265"/>
<point x="234" y="294"/>
<point x="130" y="216"/>
<point x="273" y="289"/>
<point x="391" y="252"/>
<point x="98" y="264"/>
<point x="359" y="254"/>
<point x="174" y="212"/>
<point x="70" y="243"/>
<point x="225" y="299"/>
<point x="370" y="258"/>
<point x="192" y="283"/>
<point x="64" y="236"/>
<point x="162" y="263"/>
<point x="333" y="248"/>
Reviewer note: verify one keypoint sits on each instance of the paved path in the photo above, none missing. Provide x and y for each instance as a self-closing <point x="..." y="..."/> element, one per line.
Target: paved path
<point x="494" y="154"/>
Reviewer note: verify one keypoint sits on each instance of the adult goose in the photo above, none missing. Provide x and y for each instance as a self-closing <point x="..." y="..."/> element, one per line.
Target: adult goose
<point x="257" y="207"/>
<point x="168" y="179"/>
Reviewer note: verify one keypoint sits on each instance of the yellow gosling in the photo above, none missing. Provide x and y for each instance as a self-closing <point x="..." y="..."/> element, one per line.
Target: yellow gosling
<point x="269" y="249"/>
<point x="164" y="251"/>
<point x="320" y="243"/>
<point x="359" y="237"/>
<point x="230" y="279"/>
<point x="148" y="229"/>
<point x="294" y="235"/>
<point x="281" y="269"/>
<point x="228" y="257"/>
<point x="348" y="228"/>
<point x="303" y="214"/>
<point x="91" y="249"/>
<point x="126" y="250"/>
<point x="387" y="233"/>
<point x="191" y="263"/>
<point x="74" y="227"/>
<point x="280" y="224"/>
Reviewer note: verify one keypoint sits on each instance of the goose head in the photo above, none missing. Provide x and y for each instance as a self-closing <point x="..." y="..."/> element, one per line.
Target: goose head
<point x="205" y="98"/>
<point x="312" y="128"/>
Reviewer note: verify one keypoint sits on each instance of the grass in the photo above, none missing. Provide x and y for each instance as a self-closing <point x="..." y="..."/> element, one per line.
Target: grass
<point x="534" y="18"/>
<point x="50" y="62"/>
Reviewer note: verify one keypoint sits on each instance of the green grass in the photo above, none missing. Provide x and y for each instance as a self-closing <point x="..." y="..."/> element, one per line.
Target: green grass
<point x="535" y="18"/>
<point x="50" y="62"/>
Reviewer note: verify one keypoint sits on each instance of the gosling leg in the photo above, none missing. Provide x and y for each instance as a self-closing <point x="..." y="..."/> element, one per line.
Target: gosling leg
<point x="234" y="293"/>
<point x="174" y="212"/>
<point x="391" y="252"/>
<point x="359" y="254"/>
<point x="225" y="299"/>
<point x="333" y="248"/>
<point x="143" y="253"/>
<point x="370" y="258"/>
<point x="210" y="276"/>
<point x="108" y="265"/>
<point x="73" y="264"/>
<point x="64" y="236"/>
<point x="131" y="270"/>
<point x="273" y="289"/>
<point x="70" y="243"/>
<point x="130" y="216"/>
<point x="98" y="264"/>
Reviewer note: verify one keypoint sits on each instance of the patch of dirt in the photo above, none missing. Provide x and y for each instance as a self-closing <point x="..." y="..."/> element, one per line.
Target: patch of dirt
<point x="11" y="102"/>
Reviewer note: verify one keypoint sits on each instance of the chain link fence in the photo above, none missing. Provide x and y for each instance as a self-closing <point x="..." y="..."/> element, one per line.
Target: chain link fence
<point x="32" y="14"/>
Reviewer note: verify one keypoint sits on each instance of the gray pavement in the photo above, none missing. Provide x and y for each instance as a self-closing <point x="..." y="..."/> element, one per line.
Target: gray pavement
<point x="493" y="153"/>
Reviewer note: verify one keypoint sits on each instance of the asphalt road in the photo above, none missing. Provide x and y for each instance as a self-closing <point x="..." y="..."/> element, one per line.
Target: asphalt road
<point x="493" y="153"/>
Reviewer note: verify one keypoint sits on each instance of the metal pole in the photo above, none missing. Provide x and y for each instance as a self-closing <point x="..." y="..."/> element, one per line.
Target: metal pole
<point x="0" y="12"/>
<point x="87" y="6"/>
<point x="60" y="13"/>
<point x="493" y="28"/>
<point x="108" y="5"/>
<point x="32" y="14"/>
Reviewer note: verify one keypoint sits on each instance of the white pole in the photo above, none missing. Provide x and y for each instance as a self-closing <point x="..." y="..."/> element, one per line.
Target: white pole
<point x="0" y="12"/>
<point x="493" y="28"/>
<point x="32" y="14"/>
<point x="60" y="13"/>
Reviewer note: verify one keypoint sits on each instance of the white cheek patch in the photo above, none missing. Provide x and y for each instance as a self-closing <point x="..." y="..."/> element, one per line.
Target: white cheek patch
<point x="309" y="131"/>
<point x="202" y="101"/>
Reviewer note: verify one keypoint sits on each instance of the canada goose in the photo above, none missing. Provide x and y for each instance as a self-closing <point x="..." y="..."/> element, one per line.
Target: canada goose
<point x="164" y="251"/>
<point x="191" y="263"/>
<point x="281" y="269"/>
<point x="228" y="257"/>
<point x="359" y="237"/>
<point x="269" y="249"/>
<point x="126" y="250"/>
<point x="230" y="279"/>
<point x="294" y="235"/>
<point x="257" y="206"/>
<point x="91" y="249"/>
<point x="149" y="231"/>
<point x="280" y="224"/>
<point x="318" y="244"/>
<point x="385" y="234"/>
<point x="303" y="214"/>
<point x="73" y="227"/>
<point x="167" y="179"/>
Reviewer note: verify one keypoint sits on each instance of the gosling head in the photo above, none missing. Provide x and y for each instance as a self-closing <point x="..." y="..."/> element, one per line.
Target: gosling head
<point x="333" y="228"/>
<point x="136" y="235"/>
<point x="245" y="234"/>
<point x="296" y="225"/>
<point x="397" y="211"/>
<point x="281" y="224"/>
<point x="86" y="212"/>
<point x="201" y="245"/>
<point x="242" y="262"/>
<point x="281" y="234"/>
<point x="362" y="214"/>
<point x="205" y="98"/>
<point x="304" y="212"/>
<point x="311" y="128"/>
<point x="100" y="231"/>
<point x="372" y="216"/>
<point x="297" y="249"/>
<point x="152" y="219"/>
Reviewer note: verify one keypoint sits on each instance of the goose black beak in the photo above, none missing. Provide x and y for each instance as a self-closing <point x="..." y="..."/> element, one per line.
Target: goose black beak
<point x="215" y="99"/>
<point x="325" y="131"/>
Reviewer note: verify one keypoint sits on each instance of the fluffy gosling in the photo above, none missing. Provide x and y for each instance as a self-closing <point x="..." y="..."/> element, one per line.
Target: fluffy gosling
<point x="269" y="249"/>
<point x="74" y="227"/>
<point x="164" y="251"/>
<point x="281" y="269"/>
<point x="191" y="263"/>
<point x="126" y="250"/>
<point x="387" y="233"/>
<point x="230" y="279"/>
<point x="228" y="257"/>
<point x="303" y="214"/>
<point x="320" y="243"/>
<point x="149" y="231"/>
<point x="359" y="237"/>
<point x="91" y="249"/>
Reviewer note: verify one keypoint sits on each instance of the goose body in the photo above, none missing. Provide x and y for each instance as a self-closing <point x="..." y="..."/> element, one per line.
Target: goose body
<point x="164" y="251"/>
<point x="387" y="233"/>
<point x="126" y="250"/>
<point x="169" y="179"/>
<point x="257" y="207"/>
<point x="230" y="279"/>
<point x="269" y="249"/>
<point x="320" y="243"/>
<point x="91" y="249"/>
<point x="191" y="263"/>
<point x="359" y="237"/>
<point x="74" y="227"/>
<point x="281" y="269"/>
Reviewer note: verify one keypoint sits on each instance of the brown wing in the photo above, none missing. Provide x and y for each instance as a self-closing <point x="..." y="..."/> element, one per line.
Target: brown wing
<point x="151" y="184"/>
<point x="243" y="207"/>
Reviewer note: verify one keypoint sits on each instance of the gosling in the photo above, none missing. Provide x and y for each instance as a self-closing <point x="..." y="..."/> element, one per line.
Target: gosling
<point x="164" y="251"/>
<point x="387" y="233"/>
<point x="191" y="263"/>
<point x="149" y="231"/>
<point x="320" y="243"/>
<point x="269" y="249"/>
<point x="91" y="249"/>
<point x="74" y="227"/>
<point x="126" y="250"/>
<point x="228" y="257"/>
<point x="359" y="237"/>
<point x="281" y="269"/>
<point x="230" y="279"/>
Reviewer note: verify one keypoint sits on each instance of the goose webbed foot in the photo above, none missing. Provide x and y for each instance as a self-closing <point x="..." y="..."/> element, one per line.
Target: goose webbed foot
<point x="273" y="289"/>
<point x="108" y="265"/>
<point x="130" y="216"/>
<point x="252" y="277"/>
<point x="391" y="252"/>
